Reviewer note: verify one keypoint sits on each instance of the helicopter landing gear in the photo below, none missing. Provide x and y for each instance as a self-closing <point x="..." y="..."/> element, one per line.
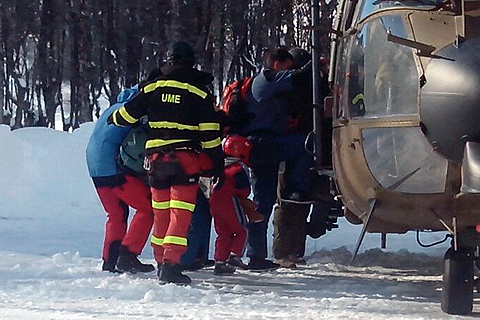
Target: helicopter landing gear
<point x="457" y="292"/>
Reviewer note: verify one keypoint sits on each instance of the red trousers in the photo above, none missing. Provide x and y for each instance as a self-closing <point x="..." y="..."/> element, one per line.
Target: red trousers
<point x="228" y="214"/>
<point x="116" y="201"/>
<point x="229" y="219"/>
<point x="173" y="205"/>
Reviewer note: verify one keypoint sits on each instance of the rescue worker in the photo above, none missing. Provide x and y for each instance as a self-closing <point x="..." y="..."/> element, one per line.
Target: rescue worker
<point x="117" y="191"/>
<point x="272" y="146"/>
<point x="184" y="142"/>
<point x="290" y="217"/>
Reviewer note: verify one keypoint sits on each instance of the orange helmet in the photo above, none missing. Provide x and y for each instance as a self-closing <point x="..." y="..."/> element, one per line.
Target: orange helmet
<point x="238" y="146"/>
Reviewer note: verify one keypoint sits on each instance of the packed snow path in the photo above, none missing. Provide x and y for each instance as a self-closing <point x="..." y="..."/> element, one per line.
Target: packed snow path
<point x="68" y="286"/>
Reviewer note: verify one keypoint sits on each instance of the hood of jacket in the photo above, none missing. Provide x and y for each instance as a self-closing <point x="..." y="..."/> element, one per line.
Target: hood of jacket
<point x="127" y="94"/>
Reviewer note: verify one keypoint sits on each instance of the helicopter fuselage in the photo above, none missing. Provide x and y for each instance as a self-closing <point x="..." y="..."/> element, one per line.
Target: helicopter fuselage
<point x="406" y="80"/>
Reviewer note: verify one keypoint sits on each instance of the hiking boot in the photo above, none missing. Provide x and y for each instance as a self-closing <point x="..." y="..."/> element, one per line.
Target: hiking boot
<point x="262" y="264"/>
<point x="297" y="260"/>
<point x="109" y="266"/>
<point x="236" y="261"/>
<point x="208" y="263"/>
<point x="194" y="266"/>
<point x="171" y="273"/>
<point x="110" y="262"/>
<point x="286" y="263"/>
<point x="199" y="264"/>
<point x="222" y="268"/>
<point x="128" y="262"/>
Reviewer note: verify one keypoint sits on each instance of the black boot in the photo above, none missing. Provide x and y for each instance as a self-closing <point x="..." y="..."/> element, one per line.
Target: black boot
<point x="113" y="253"/>
<point x="128" y="262"/>
<point x="222" y="268"/>
<point x="108" y="266"/>
<point x="171" y="273"/>
<point x="236" y="261"/>
<point x="262" y="264"/>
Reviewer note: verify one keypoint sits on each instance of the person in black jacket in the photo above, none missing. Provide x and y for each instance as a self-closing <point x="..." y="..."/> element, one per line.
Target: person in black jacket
<point x="184" y="142"/>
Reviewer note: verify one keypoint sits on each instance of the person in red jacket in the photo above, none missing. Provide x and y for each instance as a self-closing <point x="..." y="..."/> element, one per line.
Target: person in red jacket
<point x="229" y="206"/>
<point x="183" y="143"/>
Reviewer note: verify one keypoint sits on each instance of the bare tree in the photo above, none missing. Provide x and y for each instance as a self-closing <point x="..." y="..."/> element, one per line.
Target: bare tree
<point x="100" y="47"/>
<point x="50" y="52"/>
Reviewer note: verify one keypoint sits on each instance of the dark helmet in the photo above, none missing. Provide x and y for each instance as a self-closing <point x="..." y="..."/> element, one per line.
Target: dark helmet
<point x="300" y="57"/>
<point x="181" y="53"/>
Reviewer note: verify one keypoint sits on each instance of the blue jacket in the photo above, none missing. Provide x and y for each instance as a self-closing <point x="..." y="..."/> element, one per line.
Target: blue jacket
<point x="270" y="108"/>
<point x="268" y="98"/>
<point x="104" y="144"/>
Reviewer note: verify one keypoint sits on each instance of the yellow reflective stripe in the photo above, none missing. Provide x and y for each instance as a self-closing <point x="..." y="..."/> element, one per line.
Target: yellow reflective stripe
<point x="175" y="84"/>
<point x="171" y="125"/>
<point x="161" y="205"/>
<point x="211" y="144"/>
<point x="209" y="126"/>
<point x="177" y="204"/>
<point x="160" y="143"/>
<point x="181" y="241"/>
<point x="357" y="98"/>
<point x="125" y="115"/>
<point x="155" y="240"/>
<point x="114" y="118"/>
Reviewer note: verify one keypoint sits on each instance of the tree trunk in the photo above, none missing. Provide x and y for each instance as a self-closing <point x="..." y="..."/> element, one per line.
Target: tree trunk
<point x="49" y="65"/>
<point x="111" y="63"/>
<point x="134" y="47"/>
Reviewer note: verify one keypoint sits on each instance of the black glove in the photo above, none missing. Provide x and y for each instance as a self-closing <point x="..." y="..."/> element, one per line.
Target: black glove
<point x="218" y="180"/>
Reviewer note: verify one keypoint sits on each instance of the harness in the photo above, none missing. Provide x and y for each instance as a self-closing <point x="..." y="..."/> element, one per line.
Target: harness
<point x="165" y="170"/>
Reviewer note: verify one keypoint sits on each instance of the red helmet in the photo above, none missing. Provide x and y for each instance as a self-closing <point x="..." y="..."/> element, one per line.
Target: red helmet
<point x="238" y="146"/>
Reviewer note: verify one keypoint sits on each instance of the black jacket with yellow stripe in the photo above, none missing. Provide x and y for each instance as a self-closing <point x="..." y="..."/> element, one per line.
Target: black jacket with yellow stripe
<point x="180" y="113"/>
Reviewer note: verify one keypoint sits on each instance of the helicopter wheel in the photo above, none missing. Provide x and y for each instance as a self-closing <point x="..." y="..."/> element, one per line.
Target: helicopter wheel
<point x="457" y="292"/>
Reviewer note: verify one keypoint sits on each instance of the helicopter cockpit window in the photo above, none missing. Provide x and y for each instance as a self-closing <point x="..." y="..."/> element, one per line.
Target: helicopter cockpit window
<point x="383" y="78"/>
<point x="402" y="160"/>
<point x="370" y="6"/>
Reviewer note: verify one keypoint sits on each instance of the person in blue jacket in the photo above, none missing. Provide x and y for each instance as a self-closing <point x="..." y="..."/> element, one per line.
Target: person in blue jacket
<point x="196" y="256"/>
<point x="267" y="102"/>
<point x="119" y="189"/>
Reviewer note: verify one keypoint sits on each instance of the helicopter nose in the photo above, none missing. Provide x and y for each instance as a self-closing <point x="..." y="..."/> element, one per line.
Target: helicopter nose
<point x="450" y="99"/>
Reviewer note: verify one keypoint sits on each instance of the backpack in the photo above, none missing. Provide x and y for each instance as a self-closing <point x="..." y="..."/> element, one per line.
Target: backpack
<point x="132" y="149"/>
<point x="234" y="105"/>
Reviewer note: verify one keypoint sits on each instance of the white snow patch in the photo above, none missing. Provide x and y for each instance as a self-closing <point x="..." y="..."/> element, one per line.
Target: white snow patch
<point x="52" y="224"/>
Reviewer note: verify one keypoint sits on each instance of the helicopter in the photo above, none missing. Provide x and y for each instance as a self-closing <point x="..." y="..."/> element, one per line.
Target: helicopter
<point x="405" y="79"/>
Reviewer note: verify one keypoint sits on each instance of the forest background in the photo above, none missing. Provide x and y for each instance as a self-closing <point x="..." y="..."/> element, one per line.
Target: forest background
<point x="63" y="56"/>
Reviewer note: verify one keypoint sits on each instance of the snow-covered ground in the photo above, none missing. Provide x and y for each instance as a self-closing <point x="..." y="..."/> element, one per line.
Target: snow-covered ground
<point x="51" y="232"/>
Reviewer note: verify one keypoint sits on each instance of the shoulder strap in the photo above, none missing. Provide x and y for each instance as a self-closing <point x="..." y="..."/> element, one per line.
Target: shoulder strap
<point x="246" y="84"/>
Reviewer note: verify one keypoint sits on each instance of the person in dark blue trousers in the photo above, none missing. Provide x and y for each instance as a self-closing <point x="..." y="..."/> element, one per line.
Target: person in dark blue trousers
<point x="272" y="146"/>
<point x="196" y="256"/>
